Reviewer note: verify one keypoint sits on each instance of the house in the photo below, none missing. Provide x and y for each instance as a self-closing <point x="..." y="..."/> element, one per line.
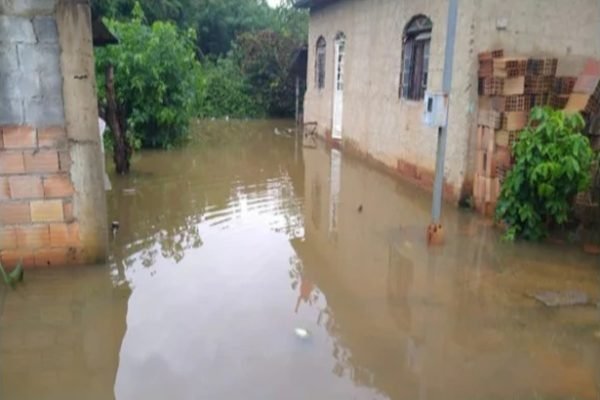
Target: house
<point x="370" y="63"/>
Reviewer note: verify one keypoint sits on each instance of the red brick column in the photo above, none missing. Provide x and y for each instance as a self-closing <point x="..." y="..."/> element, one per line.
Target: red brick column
<point x="37" y="224"/>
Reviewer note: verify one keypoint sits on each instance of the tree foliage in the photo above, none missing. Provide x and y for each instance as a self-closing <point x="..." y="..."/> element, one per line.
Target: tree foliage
<point x="178" y="59"/>
<point x="265" y="58"/>
<point x="157" y="79"/>
<point x="217" y="22"/>
<point x="552" y="164"/>
<point x="226" y="92"/>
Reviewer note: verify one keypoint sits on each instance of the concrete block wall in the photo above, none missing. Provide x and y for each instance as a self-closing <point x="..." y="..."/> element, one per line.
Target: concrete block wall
<point x="30" y="79"/>
<point x="40" y="201"/>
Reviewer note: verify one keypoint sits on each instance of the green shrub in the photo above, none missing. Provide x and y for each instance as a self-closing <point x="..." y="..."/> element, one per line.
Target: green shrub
<point x="157" y="79"/>
<point x="552" y="164"/>
<point x="225" y="92"/>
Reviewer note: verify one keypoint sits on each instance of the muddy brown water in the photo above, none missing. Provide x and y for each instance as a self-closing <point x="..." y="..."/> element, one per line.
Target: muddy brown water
<point x="229" y="246"/>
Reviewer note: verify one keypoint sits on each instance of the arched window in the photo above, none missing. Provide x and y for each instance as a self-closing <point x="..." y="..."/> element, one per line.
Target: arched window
<point x="321" y="52"/>
<point x="415" y="58"/>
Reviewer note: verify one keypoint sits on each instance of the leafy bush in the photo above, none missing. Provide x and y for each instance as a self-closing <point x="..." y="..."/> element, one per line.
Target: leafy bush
<point x="157" y="79"/>
<point x="552" y="164"/>
<point x="225" y="92"/>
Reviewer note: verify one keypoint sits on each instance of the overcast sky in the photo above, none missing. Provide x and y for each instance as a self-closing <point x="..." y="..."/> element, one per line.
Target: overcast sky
<point x="274" y="3"/>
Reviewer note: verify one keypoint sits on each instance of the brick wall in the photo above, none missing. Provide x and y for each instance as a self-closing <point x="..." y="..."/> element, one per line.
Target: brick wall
<point x="36" y="197"/>
<point x="37" y="223"/>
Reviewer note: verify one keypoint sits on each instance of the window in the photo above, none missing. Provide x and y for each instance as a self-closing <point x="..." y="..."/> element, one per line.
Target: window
<point x="415" y="58"/>
<point x="320" y="63"/>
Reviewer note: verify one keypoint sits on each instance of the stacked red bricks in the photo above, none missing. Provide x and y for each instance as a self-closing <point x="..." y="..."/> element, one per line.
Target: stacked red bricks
<point x="37" y="225"/>
<point x="509" y="87"/>
<point x="586" y="92"/>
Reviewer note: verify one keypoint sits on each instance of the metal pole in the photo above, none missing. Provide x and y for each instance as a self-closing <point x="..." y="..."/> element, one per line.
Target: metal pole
<point x="297" y="99"/>
<point x="438" y="186"/>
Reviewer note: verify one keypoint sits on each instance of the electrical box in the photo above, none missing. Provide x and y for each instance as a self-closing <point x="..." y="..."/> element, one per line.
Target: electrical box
<point x="436" y="109"/>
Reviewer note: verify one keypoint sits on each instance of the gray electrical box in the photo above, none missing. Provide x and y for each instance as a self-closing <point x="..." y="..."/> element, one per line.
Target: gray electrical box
<point x="436" y="109"/>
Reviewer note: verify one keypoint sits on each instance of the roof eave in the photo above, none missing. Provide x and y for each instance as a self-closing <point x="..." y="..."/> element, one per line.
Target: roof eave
<point x="312" y="3"/>
<point x="102" y="36"/>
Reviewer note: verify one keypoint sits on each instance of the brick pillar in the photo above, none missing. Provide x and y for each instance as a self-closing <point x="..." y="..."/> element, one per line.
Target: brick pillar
<point x="39" y="193"/>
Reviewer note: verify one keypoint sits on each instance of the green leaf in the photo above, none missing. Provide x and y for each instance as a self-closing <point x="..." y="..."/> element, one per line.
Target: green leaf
<point x="552" y="164"/>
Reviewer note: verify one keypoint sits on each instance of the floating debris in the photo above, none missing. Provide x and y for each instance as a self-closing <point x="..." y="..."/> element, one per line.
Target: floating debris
<point x="302" y="333"/>
<point x="568" y="298"/>
<point x="129" y="192"/>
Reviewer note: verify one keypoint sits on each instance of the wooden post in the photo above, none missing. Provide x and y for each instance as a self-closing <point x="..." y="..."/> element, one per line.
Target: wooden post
<point x="121" y="147"/>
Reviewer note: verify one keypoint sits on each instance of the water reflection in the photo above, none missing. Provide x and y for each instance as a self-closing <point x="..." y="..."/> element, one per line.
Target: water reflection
<point x="443" y="323"/>
<point x="216" y="182"/>
<point x="60" y="335"/>
<point x="230" y="245"/>
<point x="335" y="177"/>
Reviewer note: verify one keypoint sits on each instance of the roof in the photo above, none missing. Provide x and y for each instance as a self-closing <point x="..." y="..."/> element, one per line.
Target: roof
<point x="102" y="35"/>
<point x="312" y="3"/>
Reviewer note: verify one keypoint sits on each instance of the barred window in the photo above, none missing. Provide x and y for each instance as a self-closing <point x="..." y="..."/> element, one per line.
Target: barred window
<point x="321" y="52"/>
<point x="415" y="58"/>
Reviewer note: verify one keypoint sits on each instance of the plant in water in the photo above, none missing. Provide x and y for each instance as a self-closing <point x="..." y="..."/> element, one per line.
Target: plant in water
<point x="16" y="275"/>
<point x="552" y="164"/>
<point x="156" y="78"/>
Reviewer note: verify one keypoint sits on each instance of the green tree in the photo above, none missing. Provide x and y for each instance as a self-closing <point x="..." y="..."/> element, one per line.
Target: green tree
<point x="218" y="22"/>
<point x="552" y="164"/>
<point x="226" y="92"/>
<point x="265" y="58"/>
<point x="245" y="46"/>
<point x="154" y="10"/>
<point x="112" y="8"/>
<point x="157" y="78"/>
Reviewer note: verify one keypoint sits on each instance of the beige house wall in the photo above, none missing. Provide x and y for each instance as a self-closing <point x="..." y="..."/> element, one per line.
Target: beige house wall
<point x="377" y="123"/>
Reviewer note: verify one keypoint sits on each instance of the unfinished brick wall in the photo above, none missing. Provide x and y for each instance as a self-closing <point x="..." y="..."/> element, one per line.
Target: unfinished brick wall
<point x="52" y="206"/>
<point x="37" y="224"/>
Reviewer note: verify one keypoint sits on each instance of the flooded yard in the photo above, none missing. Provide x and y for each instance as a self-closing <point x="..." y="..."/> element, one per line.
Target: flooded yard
<point x="249" y="267"/>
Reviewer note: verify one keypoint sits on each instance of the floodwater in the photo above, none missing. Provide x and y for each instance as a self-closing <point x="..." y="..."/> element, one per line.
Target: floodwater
<point x="243" y="269"/>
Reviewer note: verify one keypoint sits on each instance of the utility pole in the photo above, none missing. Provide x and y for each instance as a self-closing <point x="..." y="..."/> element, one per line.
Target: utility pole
<point x="297" y="100"/>
<point x="438" y="186"/>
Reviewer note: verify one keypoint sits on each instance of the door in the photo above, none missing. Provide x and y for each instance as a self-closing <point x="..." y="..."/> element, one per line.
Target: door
<point x="338" y="88"/>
